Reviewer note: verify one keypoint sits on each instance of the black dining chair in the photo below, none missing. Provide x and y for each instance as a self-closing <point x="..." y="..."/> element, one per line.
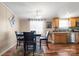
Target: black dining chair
<point x="45" y="38"/>
<point x="20" y="38"/>
<point x="34" y="34"/>
<point x="28" y="41"/>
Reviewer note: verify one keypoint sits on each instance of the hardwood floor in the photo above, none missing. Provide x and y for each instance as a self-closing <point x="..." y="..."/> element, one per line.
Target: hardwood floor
<point x="62" y="50"/>
<point x="54" y="50"/>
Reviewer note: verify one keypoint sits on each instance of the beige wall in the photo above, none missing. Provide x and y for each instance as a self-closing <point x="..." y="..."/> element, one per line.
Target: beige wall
<point x="24" y="25"/>
<point x="7" y="35"/>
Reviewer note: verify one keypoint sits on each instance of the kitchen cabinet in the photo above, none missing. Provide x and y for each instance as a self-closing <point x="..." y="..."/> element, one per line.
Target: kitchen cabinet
<point x="73" y="22"/>
<point x="55" y="22"/>
<point x="77" y="37"/>
<point x="60" y="37"/>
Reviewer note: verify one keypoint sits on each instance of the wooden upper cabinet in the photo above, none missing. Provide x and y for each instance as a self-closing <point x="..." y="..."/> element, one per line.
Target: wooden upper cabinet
<point x="77" y="19"/>
<point x="55" y="22"/>
<point x="73" y="22"/>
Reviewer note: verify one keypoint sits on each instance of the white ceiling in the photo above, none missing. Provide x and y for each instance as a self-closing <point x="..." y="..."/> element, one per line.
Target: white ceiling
<point x="44" y="9"/>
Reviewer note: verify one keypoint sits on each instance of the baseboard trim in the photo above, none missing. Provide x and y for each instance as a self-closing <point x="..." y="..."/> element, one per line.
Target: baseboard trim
<point x="7" y="49"/>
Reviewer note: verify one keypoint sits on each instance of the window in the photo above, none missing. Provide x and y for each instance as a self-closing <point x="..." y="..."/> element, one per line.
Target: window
<point x="64" y="24"/>
<point x="37" y="26"/>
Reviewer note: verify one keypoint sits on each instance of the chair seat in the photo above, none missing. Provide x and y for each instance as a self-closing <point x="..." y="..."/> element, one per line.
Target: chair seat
<point x="42" y="37"/>
<point x="20" y="37"/>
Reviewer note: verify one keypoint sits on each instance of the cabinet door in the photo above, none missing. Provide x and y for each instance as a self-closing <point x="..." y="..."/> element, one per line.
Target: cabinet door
<point x="77" y="37"/>
<point x="55" y="22"/>
<point x="73" y="22"/>
<point x="57" y="38"/>
<point x="60" y="37"/>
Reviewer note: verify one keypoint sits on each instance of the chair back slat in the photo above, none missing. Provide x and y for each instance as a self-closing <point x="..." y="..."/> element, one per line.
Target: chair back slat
<point x="47" y="35"/>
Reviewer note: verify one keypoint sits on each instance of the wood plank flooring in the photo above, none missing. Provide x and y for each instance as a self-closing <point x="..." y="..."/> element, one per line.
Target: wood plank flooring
<point x="54" y="50"/>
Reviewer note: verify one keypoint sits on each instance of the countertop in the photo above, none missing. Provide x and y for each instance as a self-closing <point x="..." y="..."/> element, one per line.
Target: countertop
<point x="64" y="32"/>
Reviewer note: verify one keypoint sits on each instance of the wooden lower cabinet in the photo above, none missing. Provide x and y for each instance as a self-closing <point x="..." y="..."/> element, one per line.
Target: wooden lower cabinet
<point x="77" y="37"/>
<point x="61" y="37"/>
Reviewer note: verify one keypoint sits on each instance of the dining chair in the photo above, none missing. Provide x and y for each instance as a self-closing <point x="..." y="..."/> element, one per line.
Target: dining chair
<point x="34" y="32"/>
<point x="45" y="38"/>
<point x="20" y="38"/>
<point x="28" y="41"/>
